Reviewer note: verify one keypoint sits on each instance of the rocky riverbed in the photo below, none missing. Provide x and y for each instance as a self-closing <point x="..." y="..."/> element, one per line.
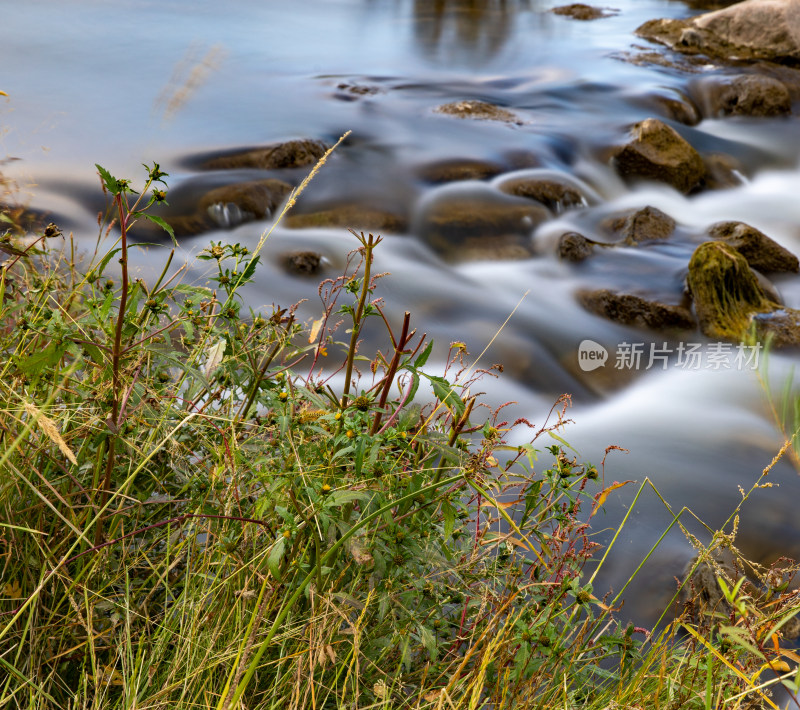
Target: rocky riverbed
<point x="633" y="169"/>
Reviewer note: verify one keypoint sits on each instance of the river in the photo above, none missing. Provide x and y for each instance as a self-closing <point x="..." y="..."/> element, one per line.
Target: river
<point x="123" y="84"/>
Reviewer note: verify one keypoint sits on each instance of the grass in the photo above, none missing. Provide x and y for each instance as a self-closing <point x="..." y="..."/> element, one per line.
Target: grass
<point x="192" y="516"/>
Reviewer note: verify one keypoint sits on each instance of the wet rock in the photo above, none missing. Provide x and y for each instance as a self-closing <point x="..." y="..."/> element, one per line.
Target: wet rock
<point x="226" y="207"/>
<point x="573" y="246"/>
<point x="743" y="95"/>
<point x="478" y="222"/>
<point x="678" y="108"/>
<point x="725" y="291"/>
<point x="645" y="225"/>
<point x="629" y="309"/>
<point x="349" y="216"/>
<point x="454" y="170"/>
<point x="291" y="154"/>
<point x="302" y="263"/>
<point x="722" y="172"/>
<point x="753" y="29"/>
<point x="556" y="195"/>
<point x="478" y="110"/>
<point x="657" y="152"/>
<point x="757" y="248"/>
<point x="579" y="11"/>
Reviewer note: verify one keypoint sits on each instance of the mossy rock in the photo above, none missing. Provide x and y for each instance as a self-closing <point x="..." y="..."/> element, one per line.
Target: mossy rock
<point x="725" y="291"/>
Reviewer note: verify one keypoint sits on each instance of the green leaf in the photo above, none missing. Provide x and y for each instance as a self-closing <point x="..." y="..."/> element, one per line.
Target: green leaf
<point x="275" y="557"/>
<point x="447" y="396"/>
<point x="422" y="358"/>
<point x="561" y="441"/>
<point x="33" y="364"/>
<point x="428" y="641"/>
<point x="110" y="181"/>
<point x="249" y="271"/>
<point x="98" y="270"/>
<point x="161" y="223"/>
<point x="449" y="515"/>
<point x="339" y="498"/>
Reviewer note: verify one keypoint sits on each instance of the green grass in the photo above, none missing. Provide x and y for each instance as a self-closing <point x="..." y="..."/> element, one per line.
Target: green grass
<point x="189" y="519"/>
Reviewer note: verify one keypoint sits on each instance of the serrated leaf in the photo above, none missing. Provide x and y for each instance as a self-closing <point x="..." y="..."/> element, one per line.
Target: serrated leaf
<point x="428" y="641"/>
<point x="98" y="270"/>
<point x="275" y="557"/>
<point x="110" y="181"/>
<point x="161" y="223"/>
<point x="34" y="363"/>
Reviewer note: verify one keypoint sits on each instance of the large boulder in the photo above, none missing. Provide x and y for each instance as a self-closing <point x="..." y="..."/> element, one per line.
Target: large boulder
<point x="728" y="298"/>
<point x="753" y="29"/>
<point x="656" y="151"/>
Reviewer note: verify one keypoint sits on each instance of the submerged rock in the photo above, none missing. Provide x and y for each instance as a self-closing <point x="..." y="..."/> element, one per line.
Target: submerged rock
<point x="644" y="225"/>
<point x="226" y="207"/>
<point x="573" y="246"/>
<point x="291" y="154"/>
<point x="753" y="29"/>
<point x="349" y="216"/>
<point x="478" y="110"/>
<point x="657" y="152"/>
<point x="457" y="169"/>
<point x="633" y="310"/>
<point x="302" y="263"/>
<point x="743" y="95"/>
<point x="579" y="11"/>
<point x="556" y="195"/>
<point x="757" y="248"/>
<point x="475" y="221"/>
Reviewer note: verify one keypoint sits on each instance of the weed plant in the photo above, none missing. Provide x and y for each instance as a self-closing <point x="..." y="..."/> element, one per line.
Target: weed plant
<point x="192" y="516"/>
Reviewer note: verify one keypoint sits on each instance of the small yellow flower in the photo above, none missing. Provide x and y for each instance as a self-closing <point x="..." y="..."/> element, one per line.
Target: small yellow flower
<point x="351" y="434"/>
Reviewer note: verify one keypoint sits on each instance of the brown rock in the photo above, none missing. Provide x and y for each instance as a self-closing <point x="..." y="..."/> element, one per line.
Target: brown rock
<point x="302" y="263"/>
<point x="478" y="110"/>
<point x="460" y="224"/>
<point x="744" y="95"/>
<point x="645" y="225"/>
<point x="753" y="29"/>
<point x="349" y="216"/>
<point x="455" y="170"/>
<point x="722" y="172"/>
<point x="573" y="246"/>
<point x="633" y="310"/>
<point x="226" y="207"/>
<point x="553" y="194"/>
<point x="291" y="154"/>
<point x="657" y="152"/>
<point x="757" y="248"/>
<point x="579" y="11"/>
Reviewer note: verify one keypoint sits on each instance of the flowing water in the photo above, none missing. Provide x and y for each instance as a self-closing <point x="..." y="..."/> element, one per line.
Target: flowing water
<point x="121" y="84"/>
